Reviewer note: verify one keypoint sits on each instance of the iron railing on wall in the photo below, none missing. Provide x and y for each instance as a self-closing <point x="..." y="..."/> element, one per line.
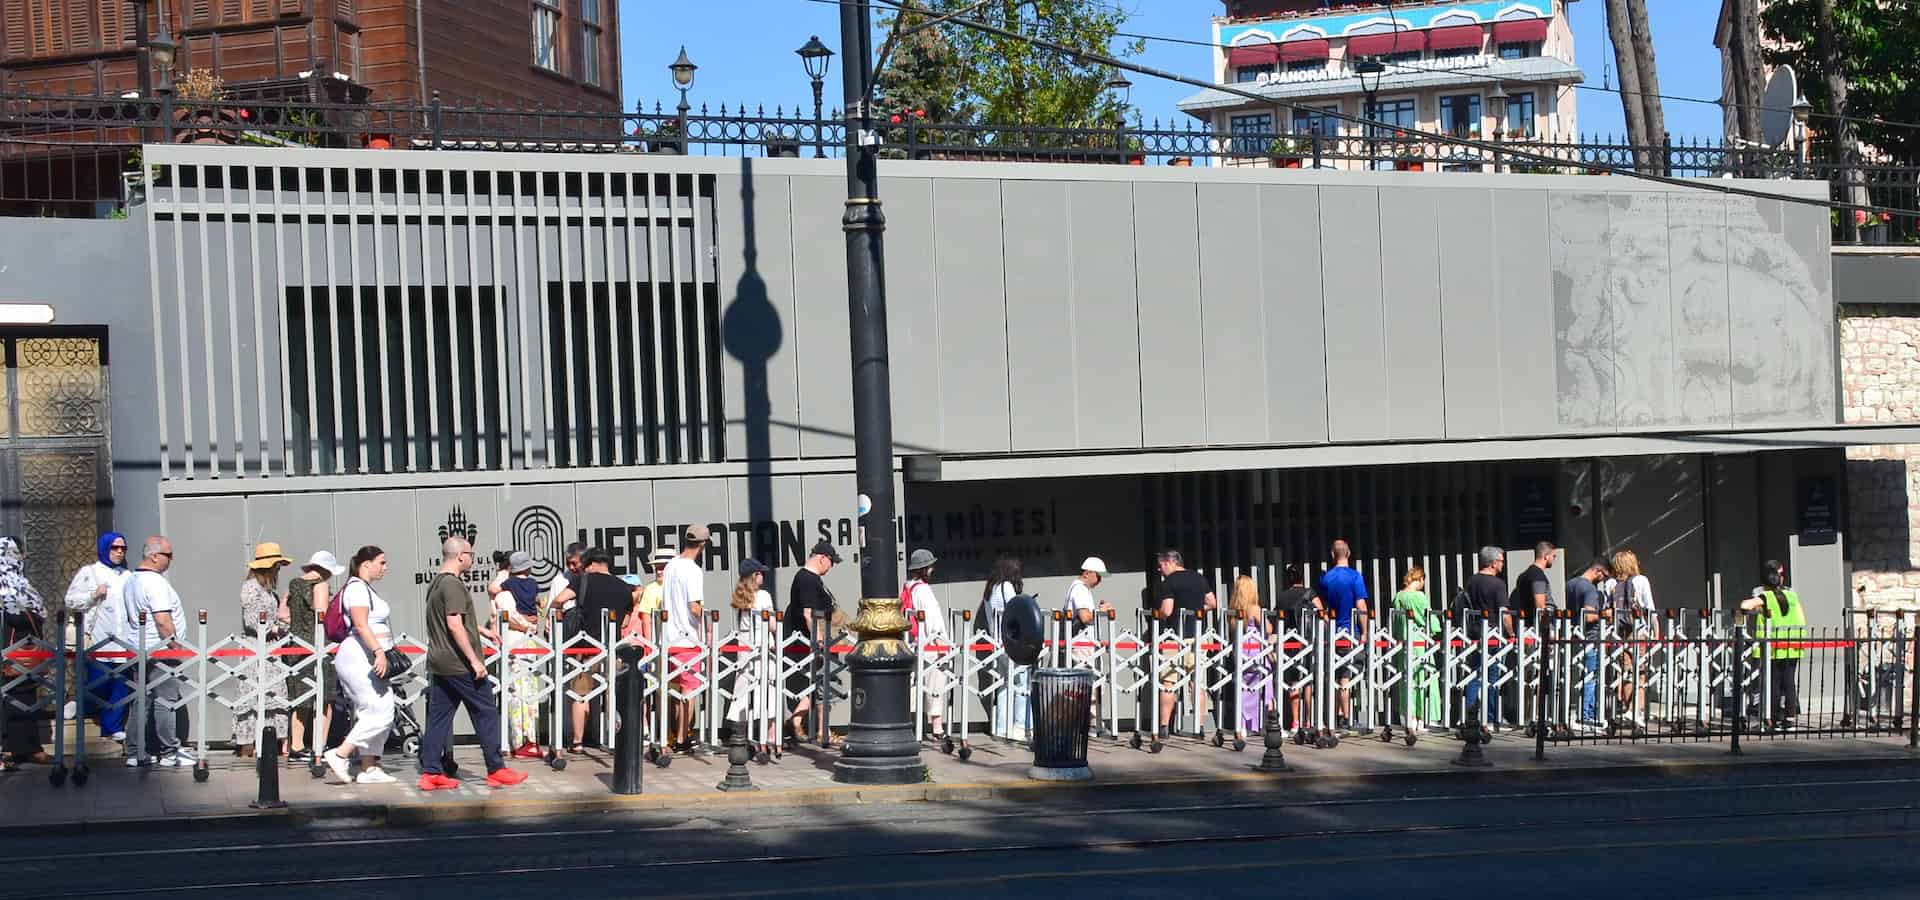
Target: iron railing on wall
<point x="77" y="156"/>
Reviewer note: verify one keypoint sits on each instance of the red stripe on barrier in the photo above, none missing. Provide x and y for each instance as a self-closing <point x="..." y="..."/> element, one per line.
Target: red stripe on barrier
<point x="228" y="653"/>
<point x="528" y="651"/>
<point x="171" y="654"/>
<point x="34" y="655"/>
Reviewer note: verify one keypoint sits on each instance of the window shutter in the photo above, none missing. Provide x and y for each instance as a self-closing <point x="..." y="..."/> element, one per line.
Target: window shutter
<point x="343" y="9"/>
<point x="41" y="22"/>
<point x="14" y="28"/>
<point x="290" y="7"/>
<point x="115" y="25"/>
<point x="230" y="12"/>
<point x="199" y="12"/>
<point x="259" y="10"/>
<point x="80" y="32"/>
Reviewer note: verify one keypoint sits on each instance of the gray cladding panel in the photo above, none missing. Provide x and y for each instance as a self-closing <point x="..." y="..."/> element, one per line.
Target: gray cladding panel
<point x="760" y="373"/>
<point x="1233" y="315"/>
<point x="1105" y="351"/>
<point x="1355" y="323"/>
<point x="1697" y="247"/>
<point x="1470" y="343"/>
<point x="969" y="261"/>
<point x="1527" y="349"/>
<point x="1040" y="313"/>
<point x="1291" y="284"/>
<point x="1640" y="295"/>
<point x="1782" y="350"/>
<point x="687" y="501"/>
<point x="913" y="318"/>
<point x="1410" y="295"/>
<point x="1166" y="252"/>
<point x="1583" y="316"/>
<point x="833" y="498"/>
<point x="820" y="323"/>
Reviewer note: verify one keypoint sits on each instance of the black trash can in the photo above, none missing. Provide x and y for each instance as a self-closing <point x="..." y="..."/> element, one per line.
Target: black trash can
<point x="1062" y="705"/>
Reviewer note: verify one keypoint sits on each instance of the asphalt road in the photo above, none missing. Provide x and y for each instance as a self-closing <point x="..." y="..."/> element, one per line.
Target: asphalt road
<point x="1754" y="833"/>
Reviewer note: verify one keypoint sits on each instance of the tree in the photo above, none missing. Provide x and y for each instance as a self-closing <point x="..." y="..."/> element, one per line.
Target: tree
<point x="1632" y="43"/>
<point x="1743" y="51"/>
<point x="962" y="76"/>
<point x="1865" y="64"/>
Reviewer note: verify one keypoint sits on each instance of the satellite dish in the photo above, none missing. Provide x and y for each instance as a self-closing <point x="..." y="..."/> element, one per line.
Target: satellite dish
<point x="1023" y="630"/>
<point x="1776" y="106"/>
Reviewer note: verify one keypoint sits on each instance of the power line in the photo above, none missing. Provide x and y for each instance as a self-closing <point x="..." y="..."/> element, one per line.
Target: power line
<point x="1496" y="149"/>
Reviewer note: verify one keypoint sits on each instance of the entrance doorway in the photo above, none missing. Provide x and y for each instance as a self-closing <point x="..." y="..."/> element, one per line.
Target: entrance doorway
<point x="56" y="492"/>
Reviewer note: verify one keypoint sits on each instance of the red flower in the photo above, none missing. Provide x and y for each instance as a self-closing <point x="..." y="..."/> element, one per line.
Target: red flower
<point x="895" y="118"/>
<point x="1886" y="216"/>
<point x="1859" y="217"/>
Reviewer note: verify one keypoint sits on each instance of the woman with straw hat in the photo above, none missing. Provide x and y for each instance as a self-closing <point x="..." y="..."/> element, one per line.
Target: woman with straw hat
<point x="260" y="600"/>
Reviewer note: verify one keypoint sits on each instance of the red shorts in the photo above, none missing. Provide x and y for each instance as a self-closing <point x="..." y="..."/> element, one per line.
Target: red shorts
<point x="688" y="681"/>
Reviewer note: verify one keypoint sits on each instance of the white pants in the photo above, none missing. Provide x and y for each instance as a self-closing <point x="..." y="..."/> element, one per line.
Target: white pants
<point x="372" y="701"/>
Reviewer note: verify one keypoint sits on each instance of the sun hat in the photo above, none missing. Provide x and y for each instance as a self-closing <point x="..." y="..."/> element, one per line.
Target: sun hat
<point x="921" y="559"/>
<point x="324" y="560"/>
<point x="519" y="561"/>
<point x="662" y="556"/>
<point x="267" y="555"/>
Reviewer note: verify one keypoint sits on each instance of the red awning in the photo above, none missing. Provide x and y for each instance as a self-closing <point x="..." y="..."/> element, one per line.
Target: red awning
<point x="1253" y="55"/>
<point x="1311" y="48"/>
<point x="1524" y="31"/>
<point x="1455" y="37"/>
<point x="1387" y="44"/>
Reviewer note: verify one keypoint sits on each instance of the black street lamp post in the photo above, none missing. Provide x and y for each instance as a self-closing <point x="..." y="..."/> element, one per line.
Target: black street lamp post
<point x="880" y="746"/>
<point x="816" y="57"/>
<point x="1370" y="69"/>
<point x="161" y="49"/>
<point x="1497" y="110"/>
<point x="682" y="69"/>
<point x="1123" y="91"/>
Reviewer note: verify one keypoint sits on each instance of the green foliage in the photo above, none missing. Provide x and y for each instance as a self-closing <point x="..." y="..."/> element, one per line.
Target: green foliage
<point x="1879" y="48"/>
<point x="962" y="76"/>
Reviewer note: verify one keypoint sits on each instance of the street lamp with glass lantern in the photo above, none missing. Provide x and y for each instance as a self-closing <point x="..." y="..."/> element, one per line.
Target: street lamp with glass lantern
<point x="1497" y="110"/>
<point x="1123" y="90"/>
<point x="1370" y="69"/>
<point x="683" y="69"/>
<point x="817" y="58"/>
<point x="1802" y="112"/>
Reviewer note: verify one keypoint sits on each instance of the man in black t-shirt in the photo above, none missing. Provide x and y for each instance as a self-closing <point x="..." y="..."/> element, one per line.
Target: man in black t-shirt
<point x="1181" y="591"/>
<point x="1532" y="596"/>
<point x="810" y="614"/>
<point x="600" y="594"/>
<point x="1298" y="605"/>
<point x="1486" y="616"/>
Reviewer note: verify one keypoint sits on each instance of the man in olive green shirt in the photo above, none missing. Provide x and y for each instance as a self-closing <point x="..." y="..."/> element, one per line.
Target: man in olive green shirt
<point x="459" y="674"/>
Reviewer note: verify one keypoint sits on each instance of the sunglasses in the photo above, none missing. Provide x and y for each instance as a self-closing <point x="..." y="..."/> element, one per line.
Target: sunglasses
<point x="120" y="547"/>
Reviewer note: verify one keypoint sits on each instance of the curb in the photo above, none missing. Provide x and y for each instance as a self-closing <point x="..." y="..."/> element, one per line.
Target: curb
<point x="1249" y="782"/>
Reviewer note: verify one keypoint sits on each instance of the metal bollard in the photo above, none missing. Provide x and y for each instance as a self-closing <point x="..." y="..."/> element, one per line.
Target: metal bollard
<point x="266" y="764"/>
<point x="737" y="778"/>
<point x="200" y="773"/>
<point x="58" y="775"/>
<point x="630" y="745"/>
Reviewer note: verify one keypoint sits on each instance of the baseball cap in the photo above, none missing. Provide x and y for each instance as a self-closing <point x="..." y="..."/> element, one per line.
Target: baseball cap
<point x="696" y="534"/>
<point x="751" y="567"/>
<point x="826" y="549"/>
<point x="1096" y="565"/>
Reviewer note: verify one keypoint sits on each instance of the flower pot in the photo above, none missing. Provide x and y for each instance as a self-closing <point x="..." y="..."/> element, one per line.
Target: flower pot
<point x="1409" y="165"/>
<point x="1136" y="159"/>
<point x="1286" y="162"/>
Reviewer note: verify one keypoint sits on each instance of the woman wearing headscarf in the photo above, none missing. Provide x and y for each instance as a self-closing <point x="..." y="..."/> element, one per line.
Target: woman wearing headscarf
<point x="95" y="596"/>
<point x="24" y="616"/>
<point x="263" y="617"/>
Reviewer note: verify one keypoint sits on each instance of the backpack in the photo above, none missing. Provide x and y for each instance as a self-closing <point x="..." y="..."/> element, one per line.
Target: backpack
<point x="906" y="608"/>
<point x="1621" y="601"/>
<point x="337" y="624"/>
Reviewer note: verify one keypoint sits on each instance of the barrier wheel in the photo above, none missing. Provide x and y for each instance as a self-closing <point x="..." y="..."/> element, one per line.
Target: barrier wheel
<point x="452" y="768"/>
<point x="1386" y="735"/>
<point x="317" y="770"/>
<point x="1411" y="738"/>
<point x="946" y="746"/>
<point x="1239" y="744"/>
<point x="1156" y="747"/>
<point x="1133" y="742"/>
<point x="558" y="763"/>
<point x="966" y="753"/>
<point x="1219" y="739"/>
<point x="664" y="761"/>
<point x="763" y="757"/>
<point x="200" y="773"/>
<point x="58" y="776"/>
<point x="80" y="776"/>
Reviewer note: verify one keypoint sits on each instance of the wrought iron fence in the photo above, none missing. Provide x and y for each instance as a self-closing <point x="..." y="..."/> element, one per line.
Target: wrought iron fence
<point x="65" y="155"/>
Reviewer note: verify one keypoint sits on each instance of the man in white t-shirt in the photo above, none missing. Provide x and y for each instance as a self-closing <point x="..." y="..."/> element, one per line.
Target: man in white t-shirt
<point x="684" y="587"/>
<point x="1081" y="609"/>
<point x="154" y="616"/>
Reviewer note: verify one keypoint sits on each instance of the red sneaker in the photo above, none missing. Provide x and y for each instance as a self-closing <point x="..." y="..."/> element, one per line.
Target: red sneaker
<point x="528" y="751"/>
<point x="505" y="777"/>
<point x="432" y="782"/>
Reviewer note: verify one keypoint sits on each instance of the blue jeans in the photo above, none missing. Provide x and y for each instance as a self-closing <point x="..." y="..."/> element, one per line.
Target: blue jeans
<point x="445" y="695"/>
<point x="1590" y="687"/>
<point x="108" y="689"/>
<point x="1493" y="697"/>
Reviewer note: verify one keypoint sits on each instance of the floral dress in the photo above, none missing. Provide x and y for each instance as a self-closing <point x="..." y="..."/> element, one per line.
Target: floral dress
<point x="255" y="674"/>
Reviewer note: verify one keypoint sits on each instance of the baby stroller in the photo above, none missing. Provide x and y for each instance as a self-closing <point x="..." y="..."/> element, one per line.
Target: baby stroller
<point x="405" y="737"/>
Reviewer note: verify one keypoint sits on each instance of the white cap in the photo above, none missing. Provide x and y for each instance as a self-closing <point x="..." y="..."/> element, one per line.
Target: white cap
<point x="326" y="560"/>
<point x="1095" y="565"/>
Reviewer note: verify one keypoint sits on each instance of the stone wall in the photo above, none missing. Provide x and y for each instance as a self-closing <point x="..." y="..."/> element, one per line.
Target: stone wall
<point x="1880" y="367"/>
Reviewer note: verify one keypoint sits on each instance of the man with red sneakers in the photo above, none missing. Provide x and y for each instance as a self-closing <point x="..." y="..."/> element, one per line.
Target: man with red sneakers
<point x="459" y="674"/>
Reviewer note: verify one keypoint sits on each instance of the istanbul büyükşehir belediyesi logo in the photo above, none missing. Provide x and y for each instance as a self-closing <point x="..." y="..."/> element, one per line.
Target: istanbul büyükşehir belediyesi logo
<point x="457" y="526"/>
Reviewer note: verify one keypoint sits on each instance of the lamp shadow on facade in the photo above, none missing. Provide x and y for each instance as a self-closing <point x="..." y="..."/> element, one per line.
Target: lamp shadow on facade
<point x="751" y="332"/>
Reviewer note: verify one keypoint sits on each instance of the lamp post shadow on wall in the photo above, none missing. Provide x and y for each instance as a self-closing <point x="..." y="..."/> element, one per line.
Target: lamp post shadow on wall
<point x="751" y="331"/>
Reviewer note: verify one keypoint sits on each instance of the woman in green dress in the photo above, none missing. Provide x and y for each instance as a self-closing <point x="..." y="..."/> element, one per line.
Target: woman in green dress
<point x="1419" y="692"/>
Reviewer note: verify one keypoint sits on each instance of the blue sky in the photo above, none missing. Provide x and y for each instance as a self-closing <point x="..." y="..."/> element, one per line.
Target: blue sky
<point x="745" y="52"/>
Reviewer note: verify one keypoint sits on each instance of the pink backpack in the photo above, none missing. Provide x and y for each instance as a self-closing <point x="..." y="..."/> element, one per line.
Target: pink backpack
<point x="336" y="623"/>
<point x="906" y="607"/>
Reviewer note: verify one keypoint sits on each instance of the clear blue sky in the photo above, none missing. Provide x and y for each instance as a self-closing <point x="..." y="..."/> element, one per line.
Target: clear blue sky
<point x="745" y="52"/>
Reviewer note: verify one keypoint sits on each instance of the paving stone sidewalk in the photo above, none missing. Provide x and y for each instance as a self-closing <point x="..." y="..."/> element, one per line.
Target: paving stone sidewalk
<point x="116" y="797"/>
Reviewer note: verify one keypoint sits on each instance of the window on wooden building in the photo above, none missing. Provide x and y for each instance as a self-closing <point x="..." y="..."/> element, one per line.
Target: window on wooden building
<point x="591" y="27"/>
<point x="546" y="34"/>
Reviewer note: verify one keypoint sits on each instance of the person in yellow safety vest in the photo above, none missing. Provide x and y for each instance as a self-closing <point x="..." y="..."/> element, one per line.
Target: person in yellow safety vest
<point x="1783" y="621"/>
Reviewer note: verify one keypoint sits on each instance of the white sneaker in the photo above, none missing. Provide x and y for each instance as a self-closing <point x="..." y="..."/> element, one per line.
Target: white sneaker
<point x="181" y="760"/>
<point x="375" y="776"/>
<point x="135" y="762"/>
<point x="187" y="757"/>
<point x="69" y="711"/>
<point x="120" y="736"/>
<point x="338" y="766"/>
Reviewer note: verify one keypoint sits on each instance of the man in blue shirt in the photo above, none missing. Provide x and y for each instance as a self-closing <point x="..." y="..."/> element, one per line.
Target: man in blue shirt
<point x="1344" y="590"/>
